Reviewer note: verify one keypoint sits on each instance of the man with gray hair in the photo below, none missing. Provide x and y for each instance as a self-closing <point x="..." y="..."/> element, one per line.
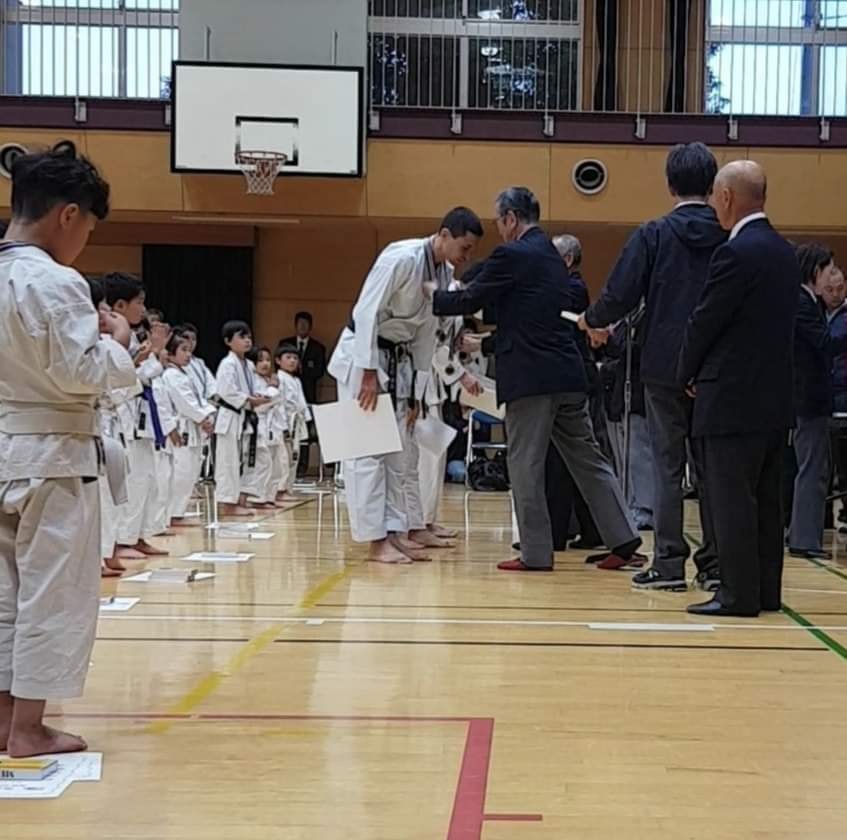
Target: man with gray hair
<point x="570" y="250"/>
<point x="541" y="379"/>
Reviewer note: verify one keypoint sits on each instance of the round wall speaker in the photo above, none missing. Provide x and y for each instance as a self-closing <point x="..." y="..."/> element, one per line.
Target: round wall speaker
<point x="590" y="176"/>
<point x="9" y="153"/>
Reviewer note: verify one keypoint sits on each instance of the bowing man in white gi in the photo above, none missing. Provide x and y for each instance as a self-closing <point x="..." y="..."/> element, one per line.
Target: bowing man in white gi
<point x="237" y="398"/>
<point x="388" y="346"/>
<point x="55" y="365"/>
<point x="194" y="424"/>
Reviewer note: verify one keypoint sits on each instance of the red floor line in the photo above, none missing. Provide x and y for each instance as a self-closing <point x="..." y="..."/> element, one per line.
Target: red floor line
<point x="513" y="818"/>
<point x="469" y="804"/>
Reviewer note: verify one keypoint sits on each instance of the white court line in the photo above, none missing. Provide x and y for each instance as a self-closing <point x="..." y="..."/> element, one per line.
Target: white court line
<point x="443" y="622"/>
<point x="818" y="591"/>
<point x="661" y="628"/>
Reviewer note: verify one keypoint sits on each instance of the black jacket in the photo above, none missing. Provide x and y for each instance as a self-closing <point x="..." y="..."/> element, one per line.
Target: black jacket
<point x="536" y="348"/>
<point x="665" y="262"/>
<point x="313" y="363"/>
<point x="579" y="303"/>
<point x="814" y="350"/>
<point x="739" y="344"/>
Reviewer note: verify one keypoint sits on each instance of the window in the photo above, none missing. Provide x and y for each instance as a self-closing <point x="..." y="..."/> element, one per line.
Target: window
<point x="490" y="54"/>
<point x="781" y="57"/>
<point x="118" y="48"/>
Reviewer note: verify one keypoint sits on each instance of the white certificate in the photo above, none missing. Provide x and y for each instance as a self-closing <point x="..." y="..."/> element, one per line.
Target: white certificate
<point x="346" y="431"/>
<point x="486" y="401"/>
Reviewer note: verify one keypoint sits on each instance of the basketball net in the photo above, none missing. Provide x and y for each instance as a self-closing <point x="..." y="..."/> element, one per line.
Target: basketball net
<point x="260" y="170"/>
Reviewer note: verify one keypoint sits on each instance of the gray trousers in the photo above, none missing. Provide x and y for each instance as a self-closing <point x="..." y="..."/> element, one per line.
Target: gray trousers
<point x="531" y="424"/>
<point x="669" y="424"/>
<point x="641" y="474"/>
<point x="808" y="512"/>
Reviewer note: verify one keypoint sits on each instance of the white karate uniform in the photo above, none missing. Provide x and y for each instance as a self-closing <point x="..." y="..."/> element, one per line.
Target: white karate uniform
<point x="138" y="518"/>
<point x="256" y="479"/>
<point x="164" y="457"/>
<point x="192" y="408"/>
<point x="391" y="306"/>
<point x="54" y="367"/>
<point x="447" y="370"/>
<point x="233" y="385"/>
<point x="296" y="414"/>
<point x="113" y="482"/>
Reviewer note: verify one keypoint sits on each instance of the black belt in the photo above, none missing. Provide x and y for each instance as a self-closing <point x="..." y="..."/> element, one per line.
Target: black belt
<point x="224" y="404"/>
<point x="251" y="419"/>
<point x="395" y="351"/>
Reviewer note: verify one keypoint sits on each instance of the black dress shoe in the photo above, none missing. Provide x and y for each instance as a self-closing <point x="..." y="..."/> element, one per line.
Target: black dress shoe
<point x="810" y="554"/>
<point x="585" y="545"/>
<point x="715" y="607"/>
<point x="516" y="546"/>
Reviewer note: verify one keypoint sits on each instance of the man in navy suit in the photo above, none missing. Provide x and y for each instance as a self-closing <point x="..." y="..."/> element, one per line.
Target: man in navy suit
<point x="541" y="379"/>
<point x="737" y="358"/>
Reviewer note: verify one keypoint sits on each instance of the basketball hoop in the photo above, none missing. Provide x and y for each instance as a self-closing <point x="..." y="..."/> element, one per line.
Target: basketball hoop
<point x="260" y="169"/>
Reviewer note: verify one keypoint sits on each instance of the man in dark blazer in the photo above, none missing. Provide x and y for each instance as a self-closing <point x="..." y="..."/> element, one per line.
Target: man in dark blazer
<point x="312" y="368"/>
<point x="738" y="357"/>
<point x="665" y="263"/>
<point x="541" y="379"/>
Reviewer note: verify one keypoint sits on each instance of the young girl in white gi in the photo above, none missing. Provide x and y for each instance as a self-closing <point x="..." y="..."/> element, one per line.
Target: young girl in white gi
<point x="259" y="451"/>
<point x="296" y="417"/>
<point x="195" y="423"/>
<point x="235" y="386"/>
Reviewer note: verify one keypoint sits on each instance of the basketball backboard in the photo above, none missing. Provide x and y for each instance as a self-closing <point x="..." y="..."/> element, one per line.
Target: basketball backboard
<point x="313" y="115"/>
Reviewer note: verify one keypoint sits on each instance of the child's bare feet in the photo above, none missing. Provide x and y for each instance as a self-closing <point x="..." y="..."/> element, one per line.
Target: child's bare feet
<point x="42" y="740"/>
<point x="428" y="539"/>
<point x="126" y="552"/>
<point x="106" y="572"/>
<point x="114" y="564"/>
<point x="6" y="708"/>
<point x="235" y="510"/>
<point x="383" y="551"/>
<point x="411" y="549"/>
<point x="444" y="533"/>
<point x="149" y="550"/>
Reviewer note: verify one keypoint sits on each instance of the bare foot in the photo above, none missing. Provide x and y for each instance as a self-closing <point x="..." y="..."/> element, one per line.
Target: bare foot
<point x="6" y="708"/>
<point x="106" y="572"/>
<point x="149" y="550"/>
<point x="167" y="533"/>
<point x="127" y="553"/>
<point x="43" y="740"/>
<point x="114" y="564"/>
<point x="429" y="540"/>
<point x="384" y="552"/>
<point x="235" y="510"/>
<point x="184" y="523"/>
<point x="411" y="549"/>
<point x="444" y="533"/>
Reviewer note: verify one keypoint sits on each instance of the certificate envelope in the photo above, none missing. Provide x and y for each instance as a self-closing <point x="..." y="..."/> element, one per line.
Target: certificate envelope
<point x="346" y="431"/>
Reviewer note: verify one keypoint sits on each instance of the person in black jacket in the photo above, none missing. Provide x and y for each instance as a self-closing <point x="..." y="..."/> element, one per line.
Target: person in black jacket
<point x="814" y="350"/>
<point x="312" y="369"/>
<point x="737" y="356"/>
<point x="666" y="263"/>
<point x="541" y="379"/>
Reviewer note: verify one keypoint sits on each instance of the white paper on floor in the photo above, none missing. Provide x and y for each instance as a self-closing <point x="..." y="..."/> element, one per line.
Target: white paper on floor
<point x="147" y="577"/>
<point x="117" y="604"/>
<point x="240" y="535"/>
<point x="233" y="526"/>
<point x="216" y="557"/>
<point x="74" y="767"/>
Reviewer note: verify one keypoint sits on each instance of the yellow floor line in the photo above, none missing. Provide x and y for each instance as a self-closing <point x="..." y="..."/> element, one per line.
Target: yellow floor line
<point x="209" y="684"/>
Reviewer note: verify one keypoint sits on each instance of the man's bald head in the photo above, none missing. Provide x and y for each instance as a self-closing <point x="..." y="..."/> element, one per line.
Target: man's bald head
<point x="741" y="188"/>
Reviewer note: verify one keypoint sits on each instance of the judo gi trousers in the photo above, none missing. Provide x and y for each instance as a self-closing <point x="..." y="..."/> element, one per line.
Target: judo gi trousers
<point x="49" y="585"/>
<point x="164" y="466"/>
<point x="188" y="461"/>
<point x="431" y="470"/>
<point x="256" y="479"/>
<point x="375" y="487"/>
<point x="138" y="514"/>
<point x="228" y="466"/>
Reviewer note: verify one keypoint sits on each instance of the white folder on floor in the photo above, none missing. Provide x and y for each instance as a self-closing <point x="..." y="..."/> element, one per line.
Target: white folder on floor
<point x="486" y="401"/>
<point x="347" y="432"/>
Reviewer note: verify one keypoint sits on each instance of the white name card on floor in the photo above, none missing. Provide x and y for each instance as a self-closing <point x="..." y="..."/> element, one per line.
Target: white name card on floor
<point x="244" y="535"/>
<point x="217" y="557"/>
<point x="164" y="576"/>
<point x="346" y="432"/>
<point x="434" y="435"/>
<point x="74" y="767"/>
<point x="117" y="604"/>
<point x="233" y="526"/>
<point x="486" y="401"/>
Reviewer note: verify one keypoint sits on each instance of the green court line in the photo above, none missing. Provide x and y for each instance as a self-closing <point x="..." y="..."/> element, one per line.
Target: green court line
<point x="825" y="638"/>
<point x="826" y="567"/>
<point x="799" y="618"/>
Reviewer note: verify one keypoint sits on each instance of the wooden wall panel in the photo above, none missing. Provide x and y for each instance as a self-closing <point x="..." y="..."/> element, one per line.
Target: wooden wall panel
<point x="101" y="259"/>
<point x="409" y="178"/>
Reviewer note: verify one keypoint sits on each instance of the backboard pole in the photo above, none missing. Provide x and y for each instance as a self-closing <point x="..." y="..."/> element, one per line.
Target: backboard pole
<point x="207" y="46"/>
<point x="335" y="48"/>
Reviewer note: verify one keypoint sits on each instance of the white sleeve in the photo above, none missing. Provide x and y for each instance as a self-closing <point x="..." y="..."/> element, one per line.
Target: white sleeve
<point x="164" y="406"/>
<point x="211" y="385"/>
<point x="388" y="273"/>
<point x="447" y="365"/>
<point x="228" y="384"/>
<point x="184" y="398"/>
<point x="78" y="359"/>
<point x="150" y="369"/>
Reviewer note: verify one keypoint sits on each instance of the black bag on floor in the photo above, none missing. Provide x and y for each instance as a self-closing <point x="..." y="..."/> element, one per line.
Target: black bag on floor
<point x="489" y="475"/>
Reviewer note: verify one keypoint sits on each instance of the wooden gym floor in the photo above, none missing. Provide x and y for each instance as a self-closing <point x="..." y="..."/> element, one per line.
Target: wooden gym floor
<point x="309" y="695"/>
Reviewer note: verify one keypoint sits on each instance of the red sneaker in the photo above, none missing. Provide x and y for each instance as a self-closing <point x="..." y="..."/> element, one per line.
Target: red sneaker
<point x="614" y="563"/>
<point x="518" y="566"/>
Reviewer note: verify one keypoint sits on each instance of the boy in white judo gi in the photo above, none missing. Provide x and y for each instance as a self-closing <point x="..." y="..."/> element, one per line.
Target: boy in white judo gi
<point x="388" y="346"/>
<point x="296" y="411"/>
<point x="55" y="365"/>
